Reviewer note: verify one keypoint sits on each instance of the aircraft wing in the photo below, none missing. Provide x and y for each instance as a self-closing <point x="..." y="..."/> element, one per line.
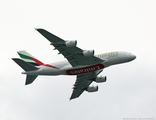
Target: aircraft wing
<point x="82" y="82"/>
<point x="72" y="54"/>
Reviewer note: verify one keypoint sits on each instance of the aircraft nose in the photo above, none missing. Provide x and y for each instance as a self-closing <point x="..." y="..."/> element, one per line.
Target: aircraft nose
<point x="133" y="56"/>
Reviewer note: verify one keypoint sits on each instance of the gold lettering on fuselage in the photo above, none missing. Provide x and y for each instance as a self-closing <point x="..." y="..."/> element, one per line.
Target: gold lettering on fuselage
<point x="108" y="54"/>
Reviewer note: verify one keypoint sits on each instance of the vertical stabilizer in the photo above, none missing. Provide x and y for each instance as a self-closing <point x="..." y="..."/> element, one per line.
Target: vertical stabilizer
<point x="29" y="58"/>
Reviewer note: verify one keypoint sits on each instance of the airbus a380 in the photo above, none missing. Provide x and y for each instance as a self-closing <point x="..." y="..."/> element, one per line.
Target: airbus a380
<point x="82" y="63"/>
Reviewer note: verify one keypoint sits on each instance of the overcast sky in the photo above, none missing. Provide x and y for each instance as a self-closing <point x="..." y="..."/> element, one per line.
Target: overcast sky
<point x="102" y="25"/>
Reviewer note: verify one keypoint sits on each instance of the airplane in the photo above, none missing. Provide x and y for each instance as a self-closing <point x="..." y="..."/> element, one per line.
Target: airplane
<point x="82" y="63"/>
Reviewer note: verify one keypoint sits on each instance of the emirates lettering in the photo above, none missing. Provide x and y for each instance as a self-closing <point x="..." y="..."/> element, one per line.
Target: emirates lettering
<point x="84" y="70"/>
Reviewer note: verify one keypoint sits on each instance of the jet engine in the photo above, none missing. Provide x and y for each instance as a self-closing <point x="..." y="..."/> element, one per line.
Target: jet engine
<point x="100" y="79"/>
<point x="92" y="88"/>
<point x="88" y="53"/>
<point x="72" y="43"/>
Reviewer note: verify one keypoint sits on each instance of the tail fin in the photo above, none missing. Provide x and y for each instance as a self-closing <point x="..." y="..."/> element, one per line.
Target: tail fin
<point x="29" y="58"/>
<point x="27" y="67"/>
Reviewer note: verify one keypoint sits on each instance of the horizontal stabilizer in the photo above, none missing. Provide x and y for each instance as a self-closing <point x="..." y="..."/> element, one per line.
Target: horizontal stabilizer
<point x="26" y="66"/>
<point x="30" y="79"/>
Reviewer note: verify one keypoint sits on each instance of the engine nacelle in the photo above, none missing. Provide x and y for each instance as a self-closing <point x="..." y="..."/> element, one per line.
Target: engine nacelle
<point x="88" y="53"/>
<point x="100" y="79"/>
<point x="71" y="43"/>
<point x="92" y="88"/>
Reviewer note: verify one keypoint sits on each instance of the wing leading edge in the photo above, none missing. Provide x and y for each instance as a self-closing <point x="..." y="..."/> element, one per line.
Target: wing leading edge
<point x="72" y="54"/>
<point x="82" y="83"/>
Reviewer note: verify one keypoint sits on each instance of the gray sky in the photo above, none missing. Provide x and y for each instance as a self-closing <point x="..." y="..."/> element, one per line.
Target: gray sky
<point x="102" y="25"/>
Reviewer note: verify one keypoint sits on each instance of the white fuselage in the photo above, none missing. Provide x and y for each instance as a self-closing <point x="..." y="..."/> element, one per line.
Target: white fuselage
<point x="65" y="68"/>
